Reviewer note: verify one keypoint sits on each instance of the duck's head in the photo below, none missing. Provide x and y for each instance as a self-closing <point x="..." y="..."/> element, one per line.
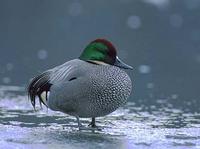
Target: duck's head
<point x="101" y="51"/>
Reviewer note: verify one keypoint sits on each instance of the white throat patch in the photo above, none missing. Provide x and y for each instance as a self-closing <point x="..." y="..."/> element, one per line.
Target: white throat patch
<point x="99" y="62"/>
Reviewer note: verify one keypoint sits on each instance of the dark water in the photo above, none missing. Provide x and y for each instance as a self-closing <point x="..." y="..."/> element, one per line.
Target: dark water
<point x="141" y="125"/>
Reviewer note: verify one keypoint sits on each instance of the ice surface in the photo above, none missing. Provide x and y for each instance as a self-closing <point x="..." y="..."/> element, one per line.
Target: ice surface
<point x="138" y="125"/>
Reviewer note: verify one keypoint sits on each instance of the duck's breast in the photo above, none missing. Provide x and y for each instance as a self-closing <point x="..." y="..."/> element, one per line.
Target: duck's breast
<point x="110" y="87"/>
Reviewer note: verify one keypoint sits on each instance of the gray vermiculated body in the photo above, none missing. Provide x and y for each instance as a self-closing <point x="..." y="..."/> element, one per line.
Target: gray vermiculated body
<point x="95" y="90"/>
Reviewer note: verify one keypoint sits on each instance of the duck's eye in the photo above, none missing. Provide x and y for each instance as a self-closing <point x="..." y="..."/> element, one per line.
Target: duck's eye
<point x="72" y="78"/>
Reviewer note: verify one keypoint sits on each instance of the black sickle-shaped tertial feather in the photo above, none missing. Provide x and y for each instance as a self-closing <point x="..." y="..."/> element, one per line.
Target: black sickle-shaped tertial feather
<point x="37" y="86"/>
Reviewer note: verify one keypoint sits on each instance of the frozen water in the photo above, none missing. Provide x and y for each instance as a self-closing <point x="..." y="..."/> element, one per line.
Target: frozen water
<point x="141" y="125"/>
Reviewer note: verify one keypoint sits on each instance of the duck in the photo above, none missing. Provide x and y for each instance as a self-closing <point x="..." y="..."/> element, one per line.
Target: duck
<point x="93" y="85"/>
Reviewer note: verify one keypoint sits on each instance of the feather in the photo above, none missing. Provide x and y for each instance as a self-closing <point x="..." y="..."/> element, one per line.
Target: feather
<point x="42" y="83"/>
<point x="37" y="86"/>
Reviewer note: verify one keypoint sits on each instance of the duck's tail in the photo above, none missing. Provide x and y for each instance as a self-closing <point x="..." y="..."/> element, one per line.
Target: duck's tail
<point x="38" y="86"/>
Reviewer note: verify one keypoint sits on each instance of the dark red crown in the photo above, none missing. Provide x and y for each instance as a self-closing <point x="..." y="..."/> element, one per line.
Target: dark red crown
<point x="112" y="51"/>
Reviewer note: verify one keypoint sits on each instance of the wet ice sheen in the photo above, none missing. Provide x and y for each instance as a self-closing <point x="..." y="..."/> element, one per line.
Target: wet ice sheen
<point x="138" y="124"/>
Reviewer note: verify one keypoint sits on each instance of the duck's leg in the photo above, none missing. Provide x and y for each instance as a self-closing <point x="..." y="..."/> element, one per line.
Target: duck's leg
<point x="92" y="124"/>
<point x="81" y="127"/>
<point x="79" y="123"/>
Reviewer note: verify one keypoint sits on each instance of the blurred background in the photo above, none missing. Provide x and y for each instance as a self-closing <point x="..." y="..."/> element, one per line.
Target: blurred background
<point x="159" y="38"/>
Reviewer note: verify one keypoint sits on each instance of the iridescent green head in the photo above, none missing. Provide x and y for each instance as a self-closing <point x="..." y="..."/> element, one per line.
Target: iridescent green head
<point x="102" y="51"/>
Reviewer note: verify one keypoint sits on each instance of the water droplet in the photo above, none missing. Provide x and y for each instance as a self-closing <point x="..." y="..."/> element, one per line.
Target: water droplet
<point x="144" y="69"/>
<point x="6" y="80"/>
<point x="42" y="54"/>
<point x="9" y="66"/>
<point x="176" y="20"/>
<point x="134" y="22"/>
<point x="75" y="9"/>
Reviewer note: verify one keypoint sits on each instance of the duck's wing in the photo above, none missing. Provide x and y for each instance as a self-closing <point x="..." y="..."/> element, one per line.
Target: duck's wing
<point x="41" y="84"/>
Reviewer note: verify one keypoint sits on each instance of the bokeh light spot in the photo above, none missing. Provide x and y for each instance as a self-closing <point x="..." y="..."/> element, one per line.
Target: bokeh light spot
<point x="134" y="22"/>
<point x="42" y="54"/>
<point x="75" y="9"/>
<point x="6" y="80"/>
<point x="9" y="66"/>
<point x="176" y="20"/>
<point x="144" y="69"/>
<point x="150" y="85"/>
